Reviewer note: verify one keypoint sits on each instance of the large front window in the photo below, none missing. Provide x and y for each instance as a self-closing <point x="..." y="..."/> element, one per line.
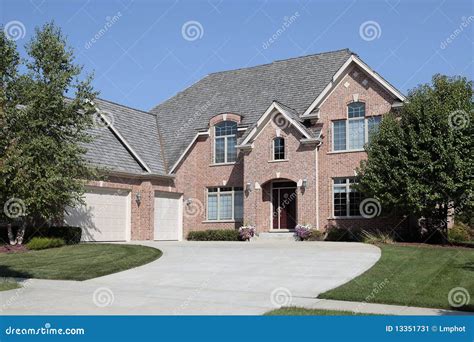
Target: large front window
<point x="356" y="130"/>
<point x="225" y="203"/>
<point x="225" y="142"/>
<point x="345" y="198"/>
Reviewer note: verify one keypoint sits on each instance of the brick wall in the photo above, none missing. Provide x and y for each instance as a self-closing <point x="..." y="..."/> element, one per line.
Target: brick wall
<point x="260" y="168"/>
<point x="377" y="102"/>
<point x="196" y="173"/>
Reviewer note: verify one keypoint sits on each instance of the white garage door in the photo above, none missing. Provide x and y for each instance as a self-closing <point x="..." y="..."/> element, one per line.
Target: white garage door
<point x="168" y="216"/>
<point x="105" y="217"/>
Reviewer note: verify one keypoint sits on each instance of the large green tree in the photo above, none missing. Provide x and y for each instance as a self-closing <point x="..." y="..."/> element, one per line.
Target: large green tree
<point x="421" y="162"/>
<point x="42" y="166"/>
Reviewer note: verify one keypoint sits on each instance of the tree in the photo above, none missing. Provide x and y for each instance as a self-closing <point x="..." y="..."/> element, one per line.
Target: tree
<point x="43" y="168"/>
<point x="420" y="162"/>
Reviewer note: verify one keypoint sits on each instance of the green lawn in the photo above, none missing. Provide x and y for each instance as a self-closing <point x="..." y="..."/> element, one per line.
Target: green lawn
<point x="76" y="262"/>
<point x="413" y="275"/>
<point x="295" y="311"/>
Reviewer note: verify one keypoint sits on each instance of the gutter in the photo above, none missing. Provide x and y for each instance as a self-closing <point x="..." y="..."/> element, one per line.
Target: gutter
<point x="140" y="175"/>
<point x="310" y="141"/>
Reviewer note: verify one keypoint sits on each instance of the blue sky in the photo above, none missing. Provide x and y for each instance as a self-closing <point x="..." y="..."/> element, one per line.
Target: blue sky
<point x="147" y="55"/>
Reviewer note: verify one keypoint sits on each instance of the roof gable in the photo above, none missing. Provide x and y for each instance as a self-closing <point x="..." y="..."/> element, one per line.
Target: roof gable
<point x="129" y="142"/>
<point x="339" y="75"/>
<point x="295" y="82"/>
<point x="281" y="117"/>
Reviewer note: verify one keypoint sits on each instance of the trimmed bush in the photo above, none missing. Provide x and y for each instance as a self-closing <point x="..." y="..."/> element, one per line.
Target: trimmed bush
<point x="214" y="235"/>
<point x="459" y="233"/>
<point x="70" y="235"/>
<point x="315" y="235"/>
<point x="37" y="243"/>
<point x="342" y="234"/>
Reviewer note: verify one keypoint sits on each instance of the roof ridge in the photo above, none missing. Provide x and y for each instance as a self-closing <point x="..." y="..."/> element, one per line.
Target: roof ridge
<point x="281" y="60"/>
<point x="313" y="54"/>
<point x="285" y="105"/>
<point x="125" y="106"/>
<point x="177" y="93"/>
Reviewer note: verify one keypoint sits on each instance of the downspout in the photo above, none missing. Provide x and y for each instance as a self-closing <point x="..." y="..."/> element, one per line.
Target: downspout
<point x="317" y="184"/>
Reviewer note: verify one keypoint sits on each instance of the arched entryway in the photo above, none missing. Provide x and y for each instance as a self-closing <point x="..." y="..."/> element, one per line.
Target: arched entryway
<point x="283" y="204"/>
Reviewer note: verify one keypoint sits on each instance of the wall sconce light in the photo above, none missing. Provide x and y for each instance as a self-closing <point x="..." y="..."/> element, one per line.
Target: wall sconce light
<point x="304" y="183"/>
<point x="138" y="197"/>
<point x="189" y="201"/>
<point x="248" y="187"/>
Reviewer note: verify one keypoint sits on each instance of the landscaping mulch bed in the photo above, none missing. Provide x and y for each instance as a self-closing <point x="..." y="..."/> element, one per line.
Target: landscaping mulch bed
<point x="13" y="249"/>
<point x="453" y="245"/>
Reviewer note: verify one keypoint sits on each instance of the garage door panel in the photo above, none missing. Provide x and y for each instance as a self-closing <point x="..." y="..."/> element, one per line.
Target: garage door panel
<point x="105" y="217"/>
<point x="167" y="216"/>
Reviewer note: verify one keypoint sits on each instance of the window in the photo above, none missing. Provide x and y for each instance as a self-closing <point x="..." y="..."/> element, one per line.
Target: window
<point x="225" y="204"/>
<point x="225" y="150"/>
<point x="278" y="148"/>
<point x="345" y="198"/>
<point x="356" y="130"/>
<point x="373" y="124"/>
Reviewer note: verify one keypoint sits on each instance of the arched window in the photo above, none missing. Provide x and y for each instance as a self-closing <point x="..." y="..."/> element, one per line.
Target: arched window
<point x="278" y="148"/>
<point x="225" y="142"/>
<point x="356" y="125"/>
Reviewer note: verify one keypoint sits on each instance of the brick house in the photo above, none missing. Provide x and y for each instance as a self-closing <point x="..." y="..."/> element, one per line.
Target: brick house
<point x="272" y="146"/>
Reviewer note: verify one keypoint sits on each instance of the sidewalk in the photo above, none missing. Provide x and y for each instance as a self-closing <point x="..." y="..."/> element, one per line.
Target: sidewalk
<point x="371" y="308"/>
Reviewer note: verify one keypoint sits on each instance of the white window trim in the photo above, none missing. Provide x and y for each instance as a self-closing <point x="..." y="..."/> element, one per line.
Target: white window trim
<point x="285" y="156"/>
<point x="346" y="186"/>
<point x="366" y="132"/>
<point x="218" y="195"/>
<point x="225" y="137"/>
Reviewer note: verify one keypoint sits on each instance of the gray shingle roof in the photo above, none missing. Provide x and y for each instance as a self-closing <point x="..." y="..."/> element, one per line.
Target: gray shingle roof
<point x="107" y="151"/>
<point x="249" y="92"/>
<point x="140" y="131"/>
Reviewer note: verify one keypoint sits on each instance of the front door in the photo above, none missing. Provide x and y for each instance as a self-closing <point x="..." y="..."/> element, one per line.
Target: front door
<point x="284" y="206"/>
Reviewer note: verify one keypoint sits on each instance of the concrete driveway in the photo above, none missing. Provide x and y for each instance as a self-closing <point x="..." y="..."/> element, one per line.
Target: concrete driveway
<point x="218" y="278"/>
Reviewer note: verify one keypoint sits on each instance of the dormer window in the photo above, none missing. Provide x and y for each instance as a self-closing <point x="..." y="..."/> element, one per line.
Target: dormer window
<point x="225" y="142"/>
<point x="279" y="148"/>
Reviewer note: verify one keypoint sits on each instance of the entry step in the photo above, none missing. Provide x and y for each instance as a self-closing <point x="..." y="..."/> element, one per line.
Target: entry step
<point x="277" y="236"/>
